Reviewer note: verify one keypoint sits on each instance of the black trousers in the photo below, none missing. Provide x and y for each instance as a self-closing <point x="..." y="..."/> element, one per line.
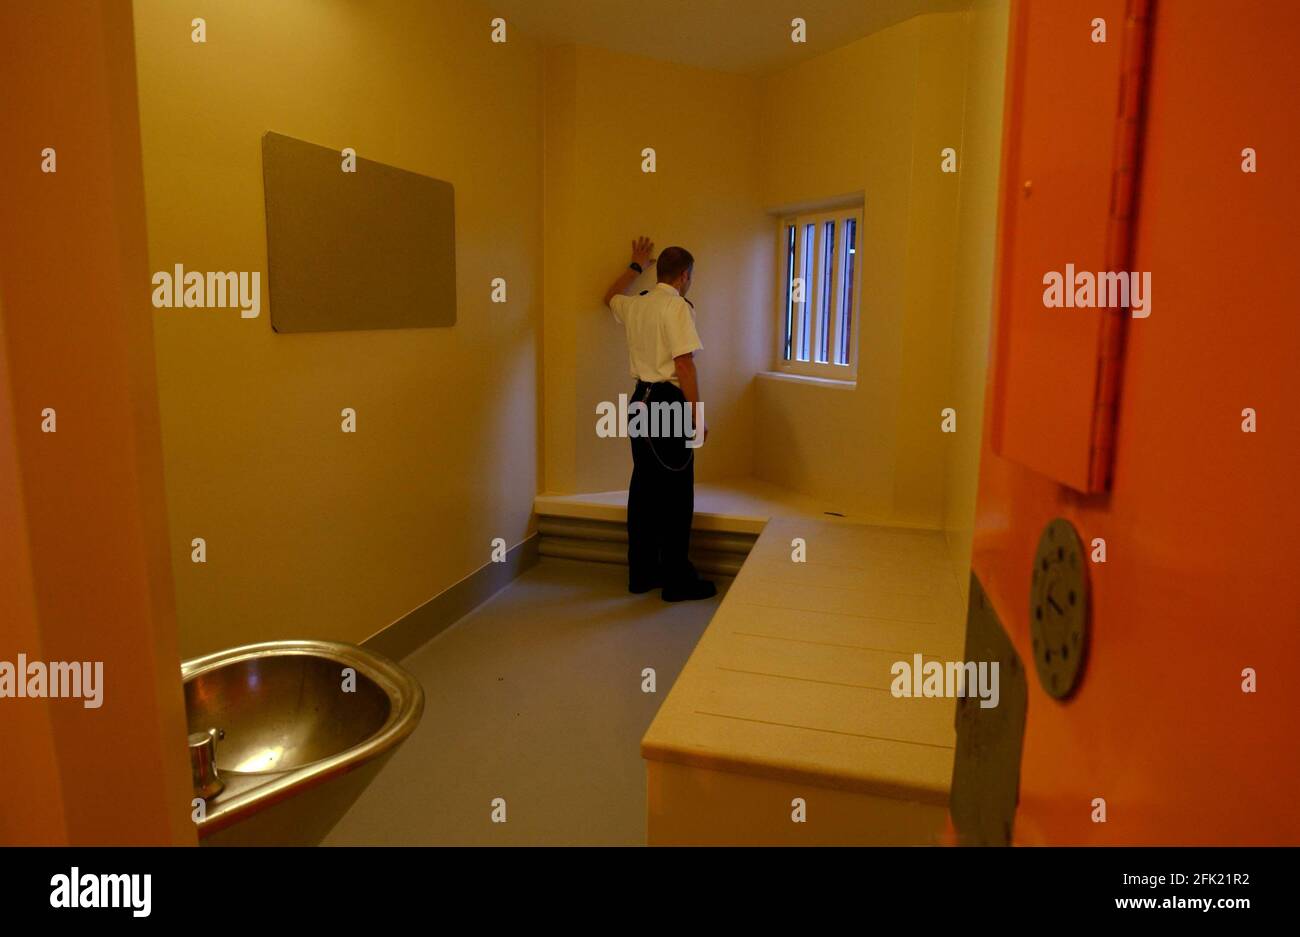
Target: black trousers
<point x="660" y="499"/>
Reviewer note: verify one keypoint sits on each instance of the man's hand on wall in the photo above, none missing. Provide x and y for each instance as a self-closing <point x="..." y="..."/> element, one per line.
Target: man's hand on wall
<point x="642" y="251"/>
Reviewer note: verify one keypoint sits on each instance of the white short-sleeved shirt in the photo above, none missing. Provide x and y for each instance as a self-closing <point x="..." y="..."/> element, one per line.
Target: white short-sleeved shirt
<point x="660" y="325"/>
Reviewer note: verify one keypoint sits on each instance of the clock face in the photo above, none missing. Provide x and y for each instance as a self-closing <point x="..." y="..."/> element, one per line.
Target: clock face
<point x="1058" y="608"/>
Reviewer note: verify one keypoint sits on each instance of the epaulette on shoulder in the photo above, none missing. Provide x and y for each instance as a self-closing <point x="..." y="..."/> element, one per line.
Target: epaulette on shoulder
<point x="643" y="292"/>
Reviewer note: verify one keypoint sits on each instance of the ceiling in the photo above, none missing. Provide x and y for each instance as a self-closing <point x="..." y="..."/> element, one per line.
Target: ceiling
<point x="744" y="36"/>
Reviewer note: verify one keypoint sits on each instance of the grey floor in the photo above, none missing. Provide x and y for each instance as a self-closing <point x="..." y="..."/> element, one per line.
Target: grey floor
<point x="534" y="697"/>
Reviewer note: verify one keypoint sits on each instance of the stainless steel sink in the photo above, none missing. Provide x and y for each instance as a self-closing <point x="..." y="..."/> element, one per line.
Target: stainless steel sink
<point x="296" y="730"/>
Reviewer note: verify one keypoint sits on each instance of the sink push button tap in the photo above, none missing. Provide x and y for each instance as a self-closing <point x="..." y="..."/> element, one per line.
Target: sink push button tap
<point x="203" y="763"/>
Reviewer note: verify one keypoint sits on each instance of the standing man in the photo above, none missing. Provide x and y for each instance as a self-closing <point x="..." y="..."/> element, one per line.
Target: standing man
<point x="661" y="346"/>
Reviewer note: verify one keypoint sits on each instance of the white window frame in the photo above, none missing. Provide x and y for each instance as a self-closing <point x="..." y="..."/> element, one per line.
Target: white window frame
<point x="812" y="293"/>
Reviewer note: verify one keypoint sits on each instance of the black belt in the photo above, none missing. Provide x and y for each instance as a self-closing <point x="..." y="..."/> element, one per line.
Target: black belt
<point x="645" y="388"/>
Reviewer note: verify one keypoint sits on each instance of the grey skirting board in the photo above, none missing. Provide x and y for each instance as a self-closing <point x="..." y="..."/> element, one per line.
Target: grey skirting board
<point x="416" y="627"/>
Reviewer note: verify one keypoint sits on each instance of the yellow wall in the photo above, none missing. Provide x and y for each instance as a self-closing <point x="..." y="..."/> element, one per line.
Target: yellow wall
<point x="310" y="531"/>
<point x="872" y="117"/>
<point x="602" y="109"/>
<point x="977" y="236"/>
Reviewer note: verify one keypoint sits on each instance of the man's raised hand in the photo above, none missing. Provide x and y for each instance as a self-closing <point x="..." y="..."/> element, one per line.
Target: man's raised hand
<point x="642" y="249"/>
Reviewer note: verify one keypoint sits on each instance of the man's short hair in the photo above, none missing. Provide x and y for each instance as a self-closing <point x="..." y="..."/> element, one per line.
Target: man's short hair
<point x="672" y="263"/>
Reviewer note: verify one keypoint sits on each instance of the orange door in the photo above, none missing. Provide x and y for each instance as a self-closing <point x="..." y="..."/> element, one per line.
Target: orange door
<point x="1059" y="168"/>
<point x="84" y="569"/>
<point x="1199" y="584"/>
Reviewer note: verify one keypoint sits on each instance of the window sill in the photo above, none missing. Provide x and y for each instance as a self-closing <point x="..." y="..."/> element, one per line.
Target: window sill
<point x="792" y="378"/>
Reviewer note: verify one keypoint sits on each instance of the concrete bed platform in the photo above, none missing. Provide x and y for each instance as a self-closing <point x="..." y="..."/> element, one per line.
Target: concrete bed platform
<point x="787" y="694"/>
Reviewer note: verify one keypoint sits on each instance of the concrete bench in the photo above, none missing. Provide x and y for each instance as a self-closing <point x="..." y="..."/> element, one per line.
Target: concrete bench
<point x="786" y="697"/>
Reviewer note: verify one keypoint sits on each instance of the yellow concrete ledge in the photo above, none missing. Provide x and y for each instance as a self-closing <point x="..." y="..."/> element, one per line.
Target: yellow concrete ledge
<point x="788" y="695"/>
<point x="741" y="505"/>
<point x="699" y="807"/>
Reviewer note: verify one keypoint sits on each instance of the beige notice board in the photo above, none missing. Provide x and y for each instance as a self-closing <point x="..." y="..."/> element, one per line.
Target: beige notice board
<point x="370" y="249"/>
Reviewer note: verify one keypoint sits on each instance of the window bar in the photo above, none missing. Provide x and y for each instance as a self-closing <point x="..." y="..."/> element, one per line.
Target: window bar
<point x="789" y="292"/>
<point x="835" y="294"/>
<point x="847" y="290"/>
<point x="807" y="254"/>
<point x="825" y="289"/>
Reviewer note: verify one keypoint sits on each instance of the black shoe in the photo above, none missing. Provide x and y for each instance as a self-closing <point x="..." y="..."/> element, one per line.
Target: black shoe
<point x="690" y="590"/>
<point x="640" y="588"/>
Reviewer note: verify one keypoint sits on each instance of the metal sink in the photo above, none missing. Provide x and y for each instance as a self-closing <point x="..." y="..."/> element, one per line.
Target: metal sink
<point x="296" y="730"/>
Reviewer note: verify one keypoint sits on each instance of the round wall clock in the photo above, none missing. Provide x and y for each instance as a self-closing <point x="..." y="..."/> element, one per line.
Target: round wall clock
<point x="1058" y="608"/>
